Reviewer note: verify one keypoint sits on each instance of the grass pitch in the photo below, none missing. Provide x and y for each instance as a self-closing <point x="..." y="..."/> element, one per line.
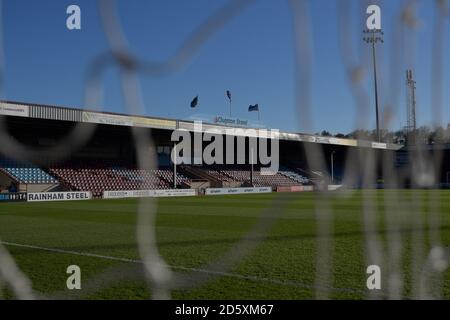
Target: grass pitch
<point x="45" y="238"/>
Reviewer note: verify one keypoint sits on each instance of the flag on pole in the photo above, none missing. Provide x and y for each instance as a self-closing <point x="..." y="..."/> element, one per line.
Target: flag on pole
<point x="229" y="95"/>
<point x="229" y="98"/>
<point x="194" y="102"/>
<point x="253" y="108"/>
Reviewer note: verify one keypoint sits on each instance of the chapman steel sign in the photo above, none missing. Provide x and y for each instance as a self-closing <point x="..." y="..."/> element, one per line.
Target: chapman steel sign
<point x="59" y="196"/>
<point x="13" y="197"/>
<point x="230" y="121"/>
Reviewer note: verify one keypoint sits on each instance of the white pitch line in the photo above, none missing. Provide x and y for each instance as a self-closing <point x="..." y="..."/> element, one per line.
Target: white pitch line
<point x="84" y="254"/>
<point x="218" y="273"/>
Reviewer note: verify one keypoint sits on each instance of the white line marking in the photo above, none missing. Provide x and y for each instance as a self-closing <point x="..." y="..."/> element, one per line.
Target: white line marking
<point x="218" y="273"/>
<point x="84" y="254"/>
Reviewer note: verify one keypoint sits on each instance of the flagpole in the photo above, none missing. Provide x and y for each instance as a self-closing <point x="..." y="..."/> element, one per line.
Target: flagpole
<point x="251" y="171"/>
<point x="230" y="108"/>
<point x="175" y="166"/>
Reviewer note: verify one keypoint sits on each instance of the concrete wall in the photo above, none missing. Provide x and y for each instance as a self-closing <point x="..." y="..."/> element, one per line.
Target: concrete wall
<point x="5" y="181"/>
<point x="39" y="187"/>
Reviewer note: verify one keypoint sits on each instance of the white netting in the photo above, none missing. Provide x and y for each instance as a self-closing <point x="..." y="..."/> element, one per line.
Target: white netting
<point x="402" y="210"/>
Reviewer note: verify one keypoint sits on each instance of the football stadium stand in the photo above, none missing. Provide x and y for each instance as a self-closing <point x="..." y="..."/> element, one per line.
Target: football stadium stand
<point x="107" y="162"/>
<point x="98" y="176"/>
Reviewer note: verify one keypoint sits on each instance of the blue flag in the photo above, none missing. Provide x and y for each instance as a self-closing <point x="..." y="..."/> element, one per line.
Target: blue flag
<point x="194" y="102"/>
<point x="253" y="108"/>
<point x="229" y="94"/>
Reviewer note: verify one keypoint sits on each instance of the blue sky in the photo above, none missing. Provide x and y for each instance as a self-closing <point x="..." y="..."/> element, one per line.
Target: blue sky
<point x="252" y="56"/>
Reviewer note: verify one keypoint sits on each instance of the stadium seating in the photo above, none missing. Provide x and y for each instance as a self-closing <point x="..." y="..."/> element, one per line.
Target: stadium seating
<point x="215" y="172"/>
<point x="294" y="175"/>
<point x="102" y="175"/>
<point x="143" y="176"/>
<point x="96" y="176"/>
<point x="241" y="174"/>
<point x="26" y="173"/>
